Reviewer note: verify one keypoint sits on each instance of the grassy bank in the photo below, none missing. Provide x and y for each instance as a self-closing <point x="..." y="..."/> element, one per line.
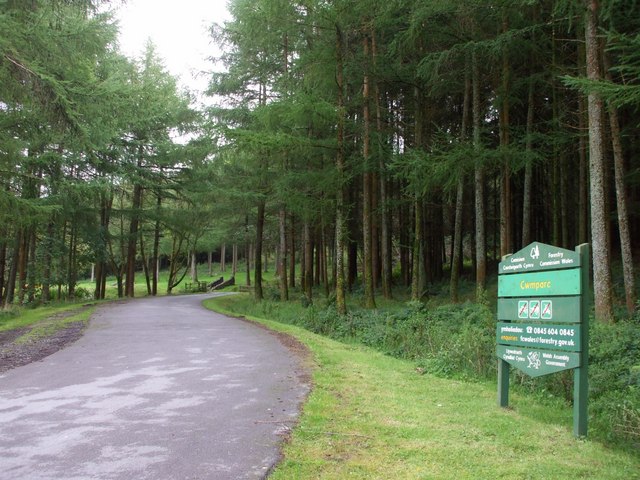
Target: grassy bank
<point x="374" y="416"/>
<point x="43" y="320"/>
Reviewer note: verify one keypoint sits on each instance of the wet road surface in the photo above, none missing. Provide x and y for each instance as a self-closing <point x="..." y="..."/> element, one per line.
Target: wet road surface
<point x="156" y="389"/>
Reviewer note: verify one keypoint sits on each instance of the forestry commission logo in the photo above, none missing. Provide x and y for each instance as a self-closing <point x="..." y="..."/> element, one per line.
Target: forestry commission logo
<point x="535" y="252"/>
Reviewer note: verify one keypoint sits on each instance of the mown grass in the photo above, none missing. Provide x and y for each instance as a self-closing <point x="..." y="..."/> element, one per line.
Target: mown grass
<point x="371" y="416"/>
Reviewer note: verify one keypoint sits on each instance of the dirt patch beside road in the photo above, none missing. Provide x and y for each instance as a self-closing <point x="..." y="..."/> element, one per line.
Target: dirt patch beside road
<point x="18" y="348"/>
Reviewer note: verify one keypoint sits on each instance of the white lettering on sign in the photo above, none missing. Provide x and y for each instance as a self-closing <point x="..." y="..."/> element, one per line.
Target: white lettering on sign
<point x="511" y="329"/>
<point x="549" y="263"/>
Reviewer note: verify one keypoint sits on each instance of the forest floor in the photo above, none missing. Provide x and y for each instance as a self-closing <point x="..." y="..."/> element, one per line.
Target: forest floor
<point x="22" y="346"/>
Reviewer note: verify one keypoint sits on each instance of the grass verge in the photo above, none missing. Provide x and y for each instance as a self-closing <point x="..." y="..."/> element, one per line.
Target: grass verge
<point x="372" y="416"/>
<point x="42" y="317"/>
<point x="49" y="326"/>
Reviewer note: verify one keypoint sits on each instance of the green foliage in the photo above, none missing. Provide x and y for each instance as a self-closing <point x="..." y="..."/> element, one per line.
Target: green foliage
<point x="614" y="378"/>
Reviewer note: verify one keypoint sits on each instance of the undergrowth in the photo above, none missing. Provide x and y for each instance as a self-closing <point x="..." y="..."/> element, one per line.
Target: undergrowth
<point x="458" y="341"/>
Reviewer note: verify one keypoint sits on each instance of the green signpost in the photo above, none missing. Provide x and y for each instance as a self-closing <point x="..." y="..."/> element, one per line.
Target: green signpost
<point x="542" y="319"/>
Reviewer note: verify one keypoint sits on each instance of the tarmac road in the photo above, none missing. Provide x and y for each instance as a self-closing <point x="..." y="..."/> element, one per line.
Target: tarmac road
<point x="156" y="389"/>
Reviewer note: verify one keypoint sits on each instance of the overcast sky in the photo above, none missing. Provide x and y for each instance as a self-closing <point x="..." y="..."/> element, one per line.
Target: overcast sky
<point x="177" y="28"/>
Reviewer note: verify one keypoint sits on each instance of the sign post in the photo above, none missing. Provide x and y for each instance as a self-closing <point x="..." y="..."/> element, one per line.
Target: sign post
<point x="543" y="319"/>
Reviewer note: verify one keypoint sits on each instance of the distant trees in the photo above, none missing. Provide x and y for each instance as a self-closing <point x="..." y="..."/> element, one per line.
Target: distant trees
<point x="86" y="156"/>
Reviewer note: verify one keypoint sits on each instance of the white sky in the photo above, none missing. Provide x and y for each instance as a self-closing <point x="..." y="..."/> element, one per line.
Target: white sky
<point x="179" y="31"/>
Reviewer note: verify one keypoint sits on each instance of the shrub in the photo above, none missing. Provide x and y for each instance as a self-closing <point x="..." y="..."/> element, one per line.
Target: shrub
<point x="614" y="379"/>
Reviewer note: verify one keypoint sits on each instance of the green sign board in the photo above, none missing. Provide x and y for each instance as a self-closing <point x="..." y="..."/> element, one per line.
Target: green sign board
<point x="535" y="362"/>
<point x="539" y="256"/>
<point x="556" y="309"/>
<point x="540" y="335"/>
<point x="558" y="282"/>
<point x="542" y="319"/>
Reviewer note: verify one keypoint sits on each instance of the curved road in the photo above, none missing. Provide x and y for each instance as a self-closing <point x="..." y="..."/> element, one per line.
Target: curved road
<point x="156" y="389"/>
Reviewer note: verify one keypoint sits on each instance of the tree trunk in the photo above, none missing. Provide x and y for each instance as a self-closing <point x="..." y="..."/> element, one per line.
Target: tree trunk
<point x="72" y="272"/>
<point x="367" y="194"/>
<point x="3" y="264"/>
<point x="505" y="186"/>
<point x="601" y="262"/>
<point x="258" y="253"/>
<point x="234" y="261"/>
<point x="341" y="304"/>
<point x="528" y="170"/>
<point x="155" y="258"/>
<point x="223" y="258"/>
<point x="13" y="270"/>
<point x="385" y="238"/>
<point x="292" y="253"/>
<point x="194" y="266"/>
<point x="23" y="257"/>
<point x="456" y="257"/>
<point x="621" y="202"/>
<point x="145" y="265"/>
<point x="31" y="266"/>
<point x="481" y="245"/>
<point x="416" y="278"/>
<point x="308" y="262"/>
<point x="133" y="241"/>
<point x="282" y="265"/>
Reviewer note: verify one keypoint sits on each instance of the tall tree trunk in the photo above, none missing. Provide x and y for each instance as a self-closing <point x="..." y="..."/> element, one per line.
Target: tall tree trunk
<point x="367" y="192"/>
<point x="292" y="253"/>
<point x="234" y="261"/>
<point x="308" y="262"/>
<point x="23" y="257"/>
<point x="31" y="266"/>
<point x="13" y="270"/>
<point x="603" y="289"/>
<point x="223" y="258"/>
<point x="416" y="269"/>
<point x="194" y="266"/>
<point x="145" y="265"/>
<point x="385" y="238"/>
<point x="282" y="265"/>
<point x="129" y="289"/>
<point x="505" y="186"/>
<point x="3" y="264"/>
<point x="528" y="170"/>
<point x="621" y="201"/>
<point x="258" y="254"/>
<point x="72" y="267"/>
<point x="583" y="169"/>
<point x="155" y="257"/>
<point x="456" y="257"/>
<point x="341" y="304"/>
<point x="481" y="245"/>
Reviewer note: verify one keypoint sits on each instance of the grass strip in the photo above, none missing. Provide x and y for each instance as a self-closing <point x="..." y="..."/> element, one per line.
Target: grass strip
<point x="371" y="416"/>
<point x="49" y="326"/>
<point x="20" y="317"/>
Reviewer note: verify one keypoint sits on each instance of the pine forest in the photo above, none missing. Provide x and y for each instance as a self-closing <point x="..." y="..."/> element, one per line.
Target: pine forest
<point x="389" y="148"/>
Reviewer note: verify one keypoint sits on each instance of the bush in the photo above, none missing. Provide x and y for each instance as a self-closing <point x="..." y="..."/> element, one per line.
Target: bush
<point x="614" y="379"/>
